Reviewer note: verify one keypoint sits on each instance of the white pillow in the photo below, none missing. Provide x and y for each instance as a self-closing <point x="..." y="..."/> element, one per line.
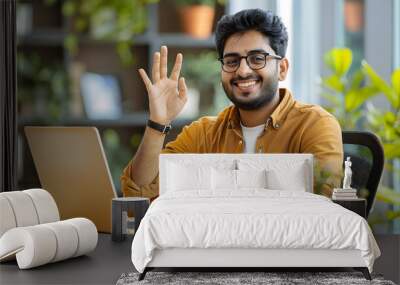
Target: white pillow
<point x="293" y="178"/>
<point x="228" y="179"/>
<point x="251" y="178"/>
<point x="223" y="179"/>
<point x="183" y="177"/>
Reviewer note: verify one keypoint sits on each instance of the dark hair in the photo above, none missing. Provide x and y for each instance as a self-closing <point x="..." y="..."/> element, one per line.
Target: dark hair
<point x="259" y="20"/>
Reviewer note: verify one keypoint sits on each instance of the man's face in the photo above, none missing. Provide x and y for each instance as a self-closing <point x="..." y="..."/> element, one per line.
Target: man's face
<point x="250" y="89"/>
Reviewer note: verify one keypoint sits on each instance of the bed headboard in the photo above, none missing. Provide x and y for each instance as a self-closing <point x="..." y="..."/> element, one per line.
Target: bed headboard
<point x="279" y="162"/>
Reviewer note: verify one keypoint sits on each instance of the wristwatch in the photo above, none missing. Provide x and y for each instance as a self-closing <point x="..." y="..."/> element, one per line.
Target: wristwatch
<point x="158" y="127"/>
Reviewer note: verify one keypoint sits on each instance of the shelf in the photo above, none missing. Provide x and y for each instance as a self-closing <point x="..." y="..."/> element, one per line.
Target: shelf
<point x="131" y="120"/>
<point x="51" y="37"/>
<point x="54" y="37"/>
<point x="169" y="39"/>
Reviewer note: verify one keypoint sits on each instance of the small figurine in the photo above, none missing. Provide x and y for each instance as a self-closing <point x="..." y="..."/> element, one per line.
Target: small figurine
<point x="347" y="174"/>
<point x="346" y="193"/>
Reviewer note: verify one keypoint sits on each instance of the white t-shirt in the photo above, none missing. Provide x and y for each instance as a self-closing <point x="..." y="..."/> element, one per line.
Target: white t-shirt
<point x="250" y="136"/>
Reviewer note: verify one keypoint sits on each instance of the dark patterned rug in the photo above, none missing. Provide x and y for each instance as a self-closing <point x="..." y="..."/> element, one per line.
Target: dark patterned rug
<point x="231" y="278"/>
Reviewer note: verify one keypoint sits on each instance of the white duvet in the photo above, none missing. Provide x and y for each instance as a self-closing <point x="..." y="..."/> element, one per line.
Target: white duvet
<point x="253" y="218"/>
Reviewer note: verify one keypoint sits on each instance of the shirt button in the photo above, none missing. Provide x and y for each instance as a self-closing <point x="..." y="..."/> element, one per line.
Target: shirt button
<point x="277" y="126"/>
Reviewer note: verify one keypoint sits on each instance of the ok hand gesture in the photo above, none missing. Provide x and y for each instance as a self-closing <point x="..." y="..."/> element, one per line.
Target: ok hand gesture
<point x="167" y="95"/>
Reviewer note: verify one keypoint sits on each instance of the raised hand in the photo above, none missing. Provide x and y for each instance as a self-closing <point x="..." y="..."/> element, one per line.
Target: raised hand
<point x="167" y="95"/>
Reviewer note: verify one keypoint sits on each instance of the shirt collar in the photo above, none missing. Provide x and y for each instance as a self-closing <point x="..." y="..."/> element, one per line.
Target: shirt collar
<point x="277" y="116"/>
<point x="285" y="105"/>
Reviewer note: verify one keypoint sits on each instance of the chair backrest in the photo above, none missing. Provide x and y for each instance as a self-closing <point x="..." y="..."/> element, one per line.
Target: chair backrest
<point x="366" y="172"/>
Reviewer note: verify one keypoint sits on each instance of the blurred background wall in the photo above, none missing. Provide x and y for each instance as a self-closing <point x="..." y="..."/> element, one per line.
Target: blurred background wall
<point x="77" y="65"/>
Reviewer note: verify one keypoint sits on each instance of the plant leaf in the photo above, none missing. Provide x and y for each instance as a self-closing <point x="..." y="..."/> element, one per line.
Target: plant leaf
<point x="379" y="83"/>
<point x="356" y="97"/>
<point x="352" y="100"/>
<point x="390" y="117"/>
<point x="391" y="215"/>
<point x="396" y="86"/>
<point x="333" y="82"/>
<point x="392" y="150"/>
<point x="339" y="60"/>
<point x="357" y="80"/>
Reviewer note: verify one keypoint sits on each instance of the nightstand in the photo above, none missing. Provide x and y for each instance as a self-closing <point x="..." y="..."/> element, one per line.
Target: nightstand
<point x="120" y="220"/>
<point x="358" y="206"/>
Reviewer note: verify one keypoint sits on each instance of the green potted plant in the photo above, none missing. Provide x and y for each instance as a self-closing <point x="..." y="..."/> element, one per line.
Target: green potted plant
<point x="197" y="16"/>
<point x="110" y="20"/>
<point x="345" y="93"/>
<point x="348" y="97"/>
<point x="386" y="124"/>
<point x="42" y="88"/>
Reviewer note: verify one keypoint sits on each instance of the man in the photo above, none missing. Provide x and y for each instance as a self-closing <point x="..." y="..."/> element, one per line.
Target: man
<point x="264" y="119"/>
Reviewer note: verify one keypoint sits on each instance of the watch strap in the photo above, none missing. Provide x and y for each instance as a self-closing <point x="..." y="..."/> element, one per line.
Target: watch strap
<point x="158" y="127"/>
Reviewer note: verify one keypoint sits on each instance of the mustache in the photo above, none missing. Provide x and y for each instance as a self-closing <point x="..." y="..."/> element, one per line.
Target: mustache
<point x="240" y="78"/>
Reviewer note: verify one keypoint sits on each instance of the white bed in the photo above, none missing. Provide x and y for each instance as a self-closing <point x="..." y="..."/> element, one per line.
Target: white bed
<point x="236" y="210"/>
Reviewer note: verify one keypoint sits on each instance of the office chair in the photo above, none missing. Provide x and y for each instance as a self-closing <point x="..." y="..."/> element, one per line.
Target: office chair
<point x="366" y="172"/>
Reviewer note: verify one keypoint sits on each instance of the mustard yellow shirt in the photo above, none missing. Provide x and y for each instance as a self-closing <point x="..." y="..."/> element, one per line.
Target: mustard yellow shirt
<point x="293" y="127"/>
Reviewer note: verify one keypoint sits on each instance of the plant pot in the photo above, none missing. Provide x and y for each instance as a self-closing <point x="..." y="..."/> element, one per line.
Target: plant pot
<point x="354" y="15"/>
<point x="197" y="20"/>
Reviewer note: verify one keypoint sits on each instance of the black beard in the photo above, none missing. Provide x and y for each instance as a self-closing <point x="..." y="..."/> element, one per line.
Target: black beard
<point x="268" y="92"/>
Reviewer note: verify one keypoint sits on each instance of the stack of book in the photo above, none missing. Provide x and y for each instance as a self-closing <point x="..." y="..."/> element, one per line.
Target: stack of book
<point x="344" y="194"/>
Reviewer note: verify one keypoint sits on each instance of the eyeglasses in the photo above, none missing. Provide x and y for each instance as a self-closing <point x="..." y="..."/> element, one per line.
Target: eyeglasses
<point x="255" y="61"/>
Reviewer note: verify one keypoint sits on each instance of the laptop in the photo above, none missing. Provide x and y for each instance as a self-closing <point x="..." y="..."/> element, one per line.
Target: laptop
<point x="72" y="167"/>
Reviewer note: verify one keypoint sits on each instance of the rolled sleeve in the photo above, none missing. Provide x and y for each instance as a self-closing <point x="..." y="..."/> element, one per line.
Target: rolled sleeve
<point x="131" y="189"/>
<point x="186" y="142"/>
